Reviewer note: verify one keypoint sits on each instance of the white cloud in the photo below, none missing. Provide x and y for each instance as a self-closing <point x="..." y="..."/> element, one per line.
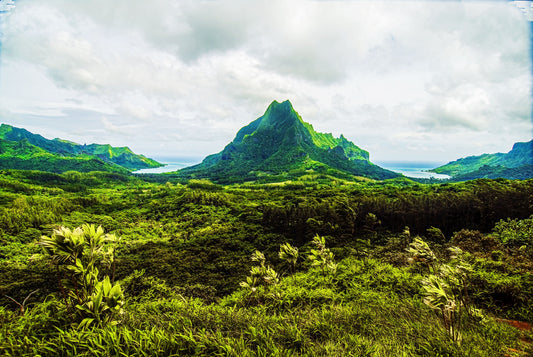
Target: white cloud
<point x="191" y="73"/>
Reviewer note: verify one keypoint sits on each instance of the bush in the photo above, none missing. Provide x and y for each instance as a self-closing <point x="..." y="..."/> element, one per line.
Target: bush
<point x="516" y="234"/>
<point x="474" y="241"/>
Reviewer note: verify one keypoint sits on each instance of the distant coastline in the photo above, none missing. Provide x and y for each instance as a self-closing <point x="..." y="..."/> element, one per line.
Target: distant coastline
<point x="409" y="169"/>
<point x="168" y="166"/>
<point x="414" y="169"/>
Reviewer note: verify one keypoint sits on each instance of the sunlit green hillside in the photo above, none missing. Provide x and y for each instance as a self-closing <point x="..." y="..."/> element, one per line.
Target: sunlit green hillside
<point x="62" y="152"/>
<point x="516" y="164"/>
<point x="23" y="155"/>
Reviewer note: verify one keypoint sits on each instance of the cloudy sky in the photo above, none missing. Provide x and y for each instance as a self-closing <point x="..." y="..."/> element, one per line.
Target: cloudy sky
<point x="405" y="80"/>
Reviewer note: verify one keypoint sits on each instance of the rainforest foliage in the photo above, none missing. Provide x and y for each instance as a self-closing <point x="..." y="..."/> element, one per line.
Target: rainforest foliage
<point x="111" y="264"/>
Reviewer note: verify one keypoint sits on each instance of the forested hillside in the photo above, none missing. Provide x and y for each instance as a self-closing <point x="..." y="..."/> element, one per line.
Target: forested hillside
<point x="20" y="149"/>
<point x="22" y="155"/>
<point x="516" y="164"/>
<point x="330" y="267"/>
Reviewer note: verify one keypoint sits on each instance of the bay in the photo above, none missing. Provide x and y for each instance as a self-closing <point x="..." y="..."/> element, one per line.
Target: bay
<point x="414" y="169"/>
<point x="409" y="169"/>
<point x="169" y="167"/>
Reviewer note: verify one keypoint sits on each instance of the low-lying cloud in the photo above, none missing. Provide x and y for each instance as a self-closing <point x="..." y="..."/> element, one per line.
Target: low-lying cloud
<point x="203" y="69"/>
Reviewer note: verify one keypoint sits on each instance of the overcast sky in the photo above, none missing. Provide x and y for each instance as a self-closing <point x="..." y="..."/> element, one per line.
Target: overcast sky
<point x="405" y="80"/>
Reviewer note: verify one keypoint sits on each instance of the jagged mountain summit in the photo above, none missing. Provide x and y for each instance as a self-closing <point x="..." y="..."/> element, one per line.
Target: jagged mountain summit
<point x="21" y="149"/>
<point x="279" y="142"/>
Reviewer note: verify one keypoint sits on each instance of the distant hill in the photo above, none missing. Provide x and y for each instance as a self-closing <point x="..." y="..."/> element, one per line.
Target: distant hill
<point x="21" y="149"/>
<point x="516" y="164"/>
<point x="280" y="141"/>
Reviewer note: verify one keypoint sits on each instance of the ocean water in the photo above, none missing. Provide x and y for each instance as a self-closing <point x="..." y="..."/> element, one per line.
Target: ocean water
<point x="414" y="169"/>
<point x="409" y="169"/>
<point x="169" y="167"/>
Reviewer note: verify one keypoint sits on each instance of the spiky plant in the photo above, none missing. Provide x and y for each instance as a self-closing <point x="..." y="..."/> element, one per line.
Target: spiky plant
<point x="289" y="254"/>
<point x="321" y="256"/>
<point x="421" y="252"/>
<point x="78" y="253"/>
<point x="260" y="275"/>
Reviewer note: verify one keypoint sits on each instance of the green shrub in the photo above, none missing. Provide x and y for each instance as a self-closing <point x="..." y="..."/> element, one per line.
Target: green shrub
<point x="474" y="241"/>
<point x="321" y="256"/>
<point x="88" y="298"/>
<point x="516" y="234"/>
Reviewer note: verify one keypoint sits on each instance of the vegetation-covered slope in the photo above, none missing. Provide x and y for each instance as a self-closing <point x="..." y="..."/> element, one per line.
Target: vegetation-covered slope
<point x="23" y="155"/>
<point x="516" y="164"/>
<point x="185" y="250"/>
<point x="280" y="141"/>
<point x="121" y="156"/>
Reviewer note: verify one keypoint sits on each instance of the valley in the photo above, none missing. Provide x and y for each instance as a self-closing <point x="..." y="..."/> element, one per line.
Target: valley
<point x="181" y="258"/>
<point x="287" y="242"/>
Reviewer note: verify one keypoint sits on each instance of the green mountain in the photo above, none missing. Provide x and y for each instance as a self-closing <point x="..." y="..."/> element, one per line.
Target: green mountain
<point x="21" y="149"/>
<point x="21" y="155"/>
<point x="516" y="164"/>
<point x="279" y="142"/>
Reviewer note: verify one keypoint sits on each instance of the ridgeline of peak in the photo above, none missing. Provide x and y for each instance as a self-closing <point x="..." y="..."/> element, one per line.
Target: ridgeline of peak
<point x="281" y="114"/>
<point x="280" y="141"/>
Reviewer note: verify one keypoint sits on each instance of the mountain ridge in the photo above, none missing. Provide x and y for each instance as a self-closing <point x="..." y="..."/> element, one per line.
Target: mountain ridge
<point x="517" y="163"/>
<point x="93" y="157"/>
<point x="280" y="141"/>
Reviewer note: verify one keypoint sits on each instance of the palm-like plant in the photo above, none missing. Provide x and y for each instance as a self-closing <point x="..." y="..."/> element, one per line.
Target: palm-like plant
<point x="438" y="297"/>
<point x="78" y="253"/>
<point x="65" y="245"/>
<point x="322" y="256"/>
<point x="260" y="274"/>
<point x="446" y="289"/>
<point x="102" y="306"/>
<point x="421" y="252"/>
<point x="289" y="254"/>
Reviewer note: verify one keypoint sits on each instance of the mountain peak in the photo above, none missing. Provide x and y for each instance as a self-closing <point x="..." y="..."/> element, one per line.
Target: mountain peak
<point x="280" y="141"/>
<point x="281" y="105"/>
<point x="280" y="116"/>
